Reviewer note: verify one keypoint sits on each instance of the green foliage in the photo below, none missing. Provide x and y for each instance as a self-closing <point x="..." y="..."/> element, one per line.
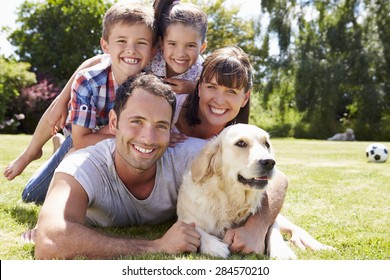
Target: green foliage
<point x="332" y="72"/>
<point x="55" y="36"/>
<point x="225" y="27"/>
<point x="13" y="77"/>
<point x="338" y="56"/>
<point x="334" y="194"/>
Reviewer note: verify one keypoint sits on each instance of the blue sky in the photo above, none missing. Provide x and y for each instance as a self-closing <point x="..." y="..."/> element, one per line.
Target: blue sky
<point x="8" y="17"/>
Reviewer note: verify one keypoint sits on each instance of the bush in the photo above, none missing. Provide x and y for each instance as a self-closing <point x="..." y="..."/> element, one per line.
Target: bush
<point x="33" y="102"/>
<point x="13" y="77"/>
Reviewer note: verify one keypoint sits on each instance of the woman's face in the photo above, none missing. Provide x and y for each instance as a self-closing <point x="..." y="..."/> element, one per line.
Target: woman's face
<point x="218" y="104"/>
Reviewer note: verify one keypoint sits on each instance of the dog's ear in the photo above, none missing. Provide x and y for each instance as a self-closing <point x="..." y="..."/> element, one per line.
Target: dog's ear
<point x="208" y="162"/>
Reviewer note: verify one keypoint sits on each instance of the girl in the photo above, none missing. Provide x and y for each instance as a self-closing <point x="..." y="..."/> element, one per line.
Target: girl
<point x="182" y="29"/>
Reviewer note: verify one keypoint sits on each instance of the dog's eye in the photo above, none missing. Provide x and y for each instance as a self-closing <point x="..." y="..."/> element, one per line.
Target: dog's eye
<point x="267" y="145"/>
<point x="241" y="144"/>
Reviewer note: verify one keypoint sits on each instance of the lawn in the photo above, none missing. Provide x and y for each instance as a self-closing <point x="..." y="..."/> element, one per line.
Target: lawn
<point x="334" y="194"/>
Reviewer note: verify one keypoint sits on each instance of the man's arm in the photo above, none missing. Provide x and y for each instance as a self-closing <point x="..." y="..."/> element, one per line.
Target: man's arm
<point x="62" y="233"/>
<point x="250" y="238"/>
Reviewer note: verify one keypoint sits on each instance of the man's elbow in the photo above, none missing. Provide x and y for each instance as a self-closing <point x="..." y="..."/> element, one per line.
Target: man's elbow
<point x="45" y="249"/>
<point x="48" y="248"/>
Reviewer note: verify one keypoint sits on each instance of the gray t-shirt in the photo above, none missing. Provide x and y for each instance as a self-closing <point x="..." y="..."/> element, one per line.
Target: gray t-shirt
<point x="110" y="203"/>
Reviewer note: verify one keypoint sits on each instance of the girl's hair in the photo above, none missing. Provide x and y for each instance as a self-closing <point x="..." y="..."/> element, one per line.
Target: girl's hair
<point x="167" y="12"/>
<point x="147" y="82"/>
<point x="231" y="68"/>
<point x="128" y="13"/>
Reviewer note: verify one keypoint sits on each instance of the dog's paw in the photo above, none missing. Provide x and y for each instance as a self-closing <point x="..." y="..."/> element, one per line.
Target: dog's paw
<point x="281" y="252"/>
<point x="213" y="246"/>
<point x="277" y="247"/>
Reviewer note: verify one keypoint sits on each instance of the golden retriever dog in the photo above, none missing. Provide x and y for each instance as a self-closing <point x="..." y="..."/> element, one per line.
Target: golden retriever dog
<point x="225" y="185"/>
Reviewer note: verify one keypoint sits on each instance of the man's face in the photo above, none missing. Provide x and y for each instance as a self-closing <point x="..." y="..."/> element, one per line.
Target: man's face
<point x="142" y="131"/>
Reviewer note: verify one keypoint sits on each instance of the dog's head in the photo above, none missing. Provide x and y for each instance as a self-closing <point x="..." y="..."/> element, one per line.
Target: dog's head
<point x="242" y="153"/>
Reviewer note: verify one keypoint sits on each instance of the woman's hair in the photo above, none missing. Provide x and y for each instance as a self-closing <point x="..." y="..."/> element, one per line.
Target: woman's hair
<point x="147" y="82"/>
<point x="129" y="13"/>
<point x="167" y="12"/>
<point x="231" y="68"/>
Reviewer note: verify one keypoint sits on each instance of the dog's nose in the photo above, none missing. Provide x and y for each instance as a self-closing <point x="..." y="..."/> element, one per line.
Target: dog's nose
<point x="267" y="164"/>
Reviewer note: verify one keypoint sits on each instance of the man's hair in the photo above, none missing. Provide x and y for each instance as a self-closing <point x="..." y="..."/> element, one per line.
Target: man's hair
<point x="128" y="13"/>
<point x="147" y="82"/>
<point x="231" y="68"/>
<point x="169" y="12"/>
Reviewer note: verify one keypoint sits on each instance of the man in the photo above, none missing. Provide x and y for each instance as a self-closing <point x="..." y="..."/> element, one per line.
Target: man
<point x="131" y="179"/>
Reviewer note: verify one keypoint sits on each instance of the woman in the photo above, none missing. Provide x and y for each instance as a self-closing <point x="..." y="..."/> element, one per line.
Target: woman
<point x="222" y="98"/>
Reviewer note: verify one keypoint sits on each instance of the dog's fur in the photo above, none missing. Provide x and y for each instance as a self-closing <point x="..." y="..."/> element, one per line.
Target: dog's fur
<point x="225" y="186"/>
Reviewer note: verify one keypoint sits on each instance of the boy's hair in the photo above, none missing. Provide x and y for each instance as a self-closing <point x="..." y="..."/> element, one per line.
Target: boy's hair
<point x="128" y="13"/>
<point x="231" y="68"/>
<point x="169" y="12"/>
<point x="147" y="82"/>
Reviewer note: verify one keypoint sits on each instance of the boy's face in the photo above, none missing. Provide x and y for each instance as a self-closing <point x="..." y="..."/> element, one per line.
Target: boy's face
<point x="130" y="47"/>
<point x="181" y="47"/>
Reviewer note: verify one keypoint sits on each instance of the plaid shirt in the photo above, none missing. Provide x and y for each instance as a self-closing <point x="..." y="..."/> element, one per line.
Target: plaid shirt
<point x="93" y="96"/>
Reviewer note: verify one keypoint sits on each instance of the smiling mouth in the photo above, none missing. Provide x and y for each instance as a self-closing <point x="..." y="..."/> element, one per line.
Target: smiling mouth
<point x="257" y="183"/>
<point x="143" y="150"/>
<point x="179" y="61"/>
<point x="217" y="111"/>
<point x="131" y="60"/>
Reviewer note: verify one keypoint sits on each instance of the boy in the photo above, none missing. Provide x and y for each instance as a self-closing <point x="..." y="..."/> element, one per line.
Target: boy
<point x="129" y="38"/>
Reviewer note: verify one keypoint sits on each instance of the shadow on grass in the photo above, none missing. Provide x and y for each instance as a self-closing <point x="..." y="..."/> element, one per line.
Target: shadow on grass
<point x="152" y="232"/>
<point x="25" y="215"/>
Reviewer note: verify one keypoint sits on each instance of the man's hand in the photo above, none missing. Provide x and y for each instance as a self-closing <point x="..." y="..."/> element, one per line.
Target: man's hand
<point x="249" y="238"/>
<point x="180" y="238"/>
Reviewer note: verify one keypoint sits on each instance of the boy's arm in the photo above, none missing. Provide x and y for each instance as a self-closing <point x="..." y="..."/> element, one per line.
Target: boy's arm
<point x="61" y="232"/>
<point x="83" y="113"/>
<point x="84" y="137"/>
<point x="58" y="111"/>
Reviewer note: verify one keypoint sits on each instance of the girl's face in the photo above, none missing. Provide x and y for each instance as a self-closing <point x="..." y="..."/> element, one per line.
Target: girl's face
<point x="181" y="47"/>
<point x="218" y="104"/>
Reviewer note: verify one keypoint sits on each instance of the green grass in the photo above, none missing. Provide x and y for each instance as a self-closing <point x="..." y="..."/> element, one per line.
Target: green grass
<point x="334" y="194"/>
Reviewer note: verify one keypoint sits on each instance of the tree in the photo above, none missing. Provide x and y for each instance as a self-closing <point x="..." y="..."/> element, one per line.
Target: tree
<point x="55" y="36"/>
<point x="225" y="27"/>
<point x="13" y="77"/>
<point x="336" y="54"/>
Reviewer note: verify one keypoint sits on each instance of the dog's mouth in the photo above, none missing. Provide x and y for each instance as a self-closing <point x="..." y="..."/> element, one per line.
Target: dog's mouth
<point x="257" y="183"/>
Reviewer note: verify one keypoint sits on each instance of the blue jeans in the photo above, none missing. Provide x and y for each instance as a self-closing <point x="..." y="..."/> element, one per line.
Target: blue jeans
<point x="37" y="186"/>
